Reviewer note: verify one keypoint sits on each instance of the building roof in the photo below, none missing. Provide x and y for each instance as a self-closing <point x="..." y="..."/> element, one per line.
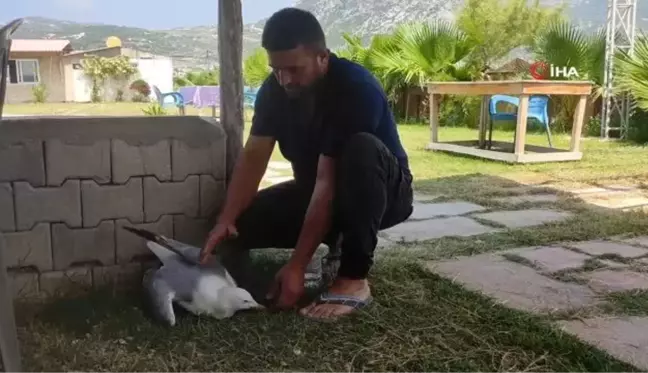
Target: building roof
<point x="39" y="45"/>
<point x="90" y="51"/>
<point x="516" y="65"/>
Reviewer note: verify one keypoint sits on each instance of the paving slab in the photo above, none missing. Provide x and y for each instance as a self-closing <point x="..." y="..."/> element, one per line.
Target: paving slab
<point x="625" y="338"/>
<point x="606" y="280"/>
<point x="277" y="165"/>
<point x="425" y="197"/>
<point x="613" y="264"/>
<point x="433" y="210"/>
<point x="384" y="243"/>
<point x="599" y="247"/>
<point x="641" y="241"/>
<point x="553" y="259"/>
<point x="524" y="218"/>
<point x="530" y="198"/>
<point x="588" y="190"/>
<point x="616" y="199"/>
<point x="619" y="187"/>
<point x="513" y="284"/>
<point x="278" y="179"/>
<point x="421" y="230"/>
<point x="271" y="173"/>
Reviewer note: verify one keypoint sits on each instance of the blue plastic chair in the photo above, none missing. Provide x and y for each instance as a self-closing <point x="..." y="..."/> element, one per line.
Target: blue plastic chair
<point x="178" y="100"/>
<point x="249" y="96"/>
<point x="538" y="109"/>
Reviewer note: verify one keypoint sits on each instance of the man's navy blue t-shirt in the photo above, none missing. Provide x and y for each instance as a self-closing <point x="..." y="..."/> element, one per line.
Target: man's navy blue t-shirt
<point x="348" y="100"/>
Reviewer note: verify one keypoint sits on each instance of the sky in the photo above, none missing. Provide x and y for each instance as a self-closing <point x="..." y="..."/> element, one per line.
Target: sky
<point x="152" y="14"/>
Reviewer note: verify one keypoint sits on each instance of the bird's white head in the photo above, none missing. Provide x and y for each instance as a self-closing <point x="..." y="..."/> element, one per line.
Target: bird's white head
<point x="240" y="299"/>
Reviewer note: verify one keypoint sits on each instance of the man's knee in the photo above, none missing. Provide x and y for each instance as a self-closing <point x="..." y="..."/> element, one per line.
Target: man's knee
<point x="361" y="150"/>
<point x="359" y="144"/>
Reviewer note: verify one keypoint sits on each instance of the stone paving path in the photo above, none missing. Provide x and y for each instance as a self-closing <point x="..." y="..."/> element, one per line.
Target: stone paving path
<point x="277" y="172"/>
<point x="431" y="220"/>
<point x="567" y="277"/>
<point x="621" y="197"/>
<point x="561" y="279"/>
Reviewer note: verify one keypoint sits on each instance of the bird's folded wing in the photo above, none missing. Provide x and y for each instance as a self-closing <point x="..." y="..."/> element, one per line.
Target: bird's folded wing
<point x="192" y="254"/>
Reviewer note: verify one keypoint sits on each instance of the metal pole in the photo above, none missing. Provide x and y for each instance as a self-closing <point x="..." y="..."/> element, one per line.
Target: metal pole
<point x="620" y="36"/>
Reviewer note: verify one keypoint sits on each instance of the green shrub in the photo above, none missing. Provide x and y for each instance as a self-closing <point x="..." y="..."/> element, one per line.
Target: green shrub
<point x="140" y="86"/>
<point x="154" y="109"/>
<point x="460" y="111"/>
<point x="40" y="93"/>
<point x="638" y="127"/>
<point x="592" y="127"/>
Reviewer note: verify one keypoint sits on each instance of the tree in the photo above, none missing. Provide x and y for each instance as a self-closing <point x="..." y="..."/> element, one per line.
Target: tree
<point x="417" y="53"/>
<point x="632" y="72"/>
<point x="381" y="45"/>
<point x="208" y="77"/>
<point x="632" y="77"/>
<point x="564" y="45"/>
<point x="256" y="68"/>
<point x="496" y="27"/>
<point x="99" y="69"/>
<point x="421" y="52"/>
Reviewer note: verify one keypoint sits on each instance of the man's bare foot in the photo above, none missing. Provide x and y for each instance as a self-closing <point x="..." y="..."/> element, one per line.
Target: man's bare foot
<point x="344" y="296"/>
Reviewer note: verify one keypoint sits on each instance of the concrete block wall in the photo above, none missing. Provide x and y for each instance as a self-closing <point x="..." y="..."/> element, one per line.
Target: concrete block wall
<point x="68" y="186"/>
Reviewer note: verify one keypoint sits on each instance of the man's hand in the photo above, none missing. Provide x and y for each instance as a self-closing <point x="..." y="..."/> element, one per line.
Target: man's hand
<point x="288" y="285"/>
<point x="221" y="231"/>
<point x="246" y="177"/>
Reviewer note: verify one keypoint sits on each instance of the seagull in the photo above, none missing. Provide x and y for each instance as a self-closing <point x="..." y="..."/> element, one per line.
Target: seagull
<point x="200" y="289"/>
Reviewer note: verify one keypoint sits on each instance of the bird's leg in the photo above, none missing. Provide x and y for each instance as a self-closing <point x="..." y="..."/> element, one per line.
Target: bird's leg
<point x="190" y="307"/>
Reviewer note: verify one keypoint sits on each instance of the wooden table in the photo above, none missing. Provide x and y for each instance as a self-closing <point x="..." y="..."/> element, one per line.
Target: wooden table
<point x="518" y="151"/>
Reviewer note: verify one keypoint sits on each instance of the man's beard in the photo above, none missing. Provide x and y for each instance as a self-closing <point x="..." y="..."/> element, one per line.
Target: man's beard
<point x="295" y="92"/>
<point x="299" y="91"/>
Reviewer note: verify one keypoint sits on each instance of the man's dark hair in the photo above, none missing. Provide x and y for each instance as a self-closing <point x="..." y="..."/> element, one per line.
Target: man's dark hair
<point x="291" y="27"/>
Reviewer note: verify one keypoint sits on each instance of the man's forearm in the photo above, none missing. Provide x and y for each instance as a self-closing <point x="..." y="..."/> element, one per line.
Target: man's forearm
<point x="316" y="224"/>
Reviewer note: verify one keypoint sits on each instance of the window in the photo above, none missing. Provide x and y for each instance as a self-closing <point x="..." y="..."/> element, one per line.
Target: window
<point x="23" y="71"/>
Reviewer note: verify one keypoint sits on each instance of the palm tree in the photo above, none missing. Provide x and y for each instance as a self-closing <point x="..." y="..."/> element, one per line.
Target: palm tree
<point x="632" y="72"/>
<point x="385" y="44"/>
<point x="632" y="77"/>
<point x="414" y="54"/>
<point x="563" y="44"/>
<point x="421" y="52"/>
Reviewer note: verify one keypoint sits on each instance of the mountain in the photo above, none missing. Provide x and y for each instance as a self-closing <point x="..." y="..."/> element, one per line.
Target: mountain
<point x="193" y="47"/>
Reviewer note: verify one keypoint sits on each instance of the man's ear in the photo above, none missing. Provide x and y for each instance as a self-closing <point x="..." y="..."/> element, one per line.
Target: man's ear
<point x="323" y="59"/>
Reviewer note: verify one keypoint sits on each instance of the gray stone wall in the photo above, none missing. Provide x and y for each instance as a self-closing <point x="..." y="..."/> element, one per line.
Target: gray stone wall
<point x="69" y="185"/>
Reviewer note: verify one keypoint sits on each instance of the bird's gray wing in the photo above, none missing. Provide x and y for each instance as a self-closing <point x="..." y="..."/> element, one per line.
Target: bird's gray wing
<point x="168" y="255"/>
<point x="189" y="252"/>
<point x="160" y="296"/>
<point x="181" y="278"/>
<point x="192" y="254"/>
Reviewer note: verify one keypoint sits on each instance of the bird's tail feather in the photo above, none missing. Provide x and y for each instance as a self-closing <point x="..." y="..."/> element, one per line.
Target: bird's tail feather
<point x="185" y="252"/>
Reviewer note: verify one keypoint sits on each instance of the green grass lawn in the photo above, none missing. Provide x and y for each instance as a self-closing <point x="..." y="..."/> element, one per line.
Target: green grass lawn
<point x="107" y="108"/>
<point x="419" y="322"/>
